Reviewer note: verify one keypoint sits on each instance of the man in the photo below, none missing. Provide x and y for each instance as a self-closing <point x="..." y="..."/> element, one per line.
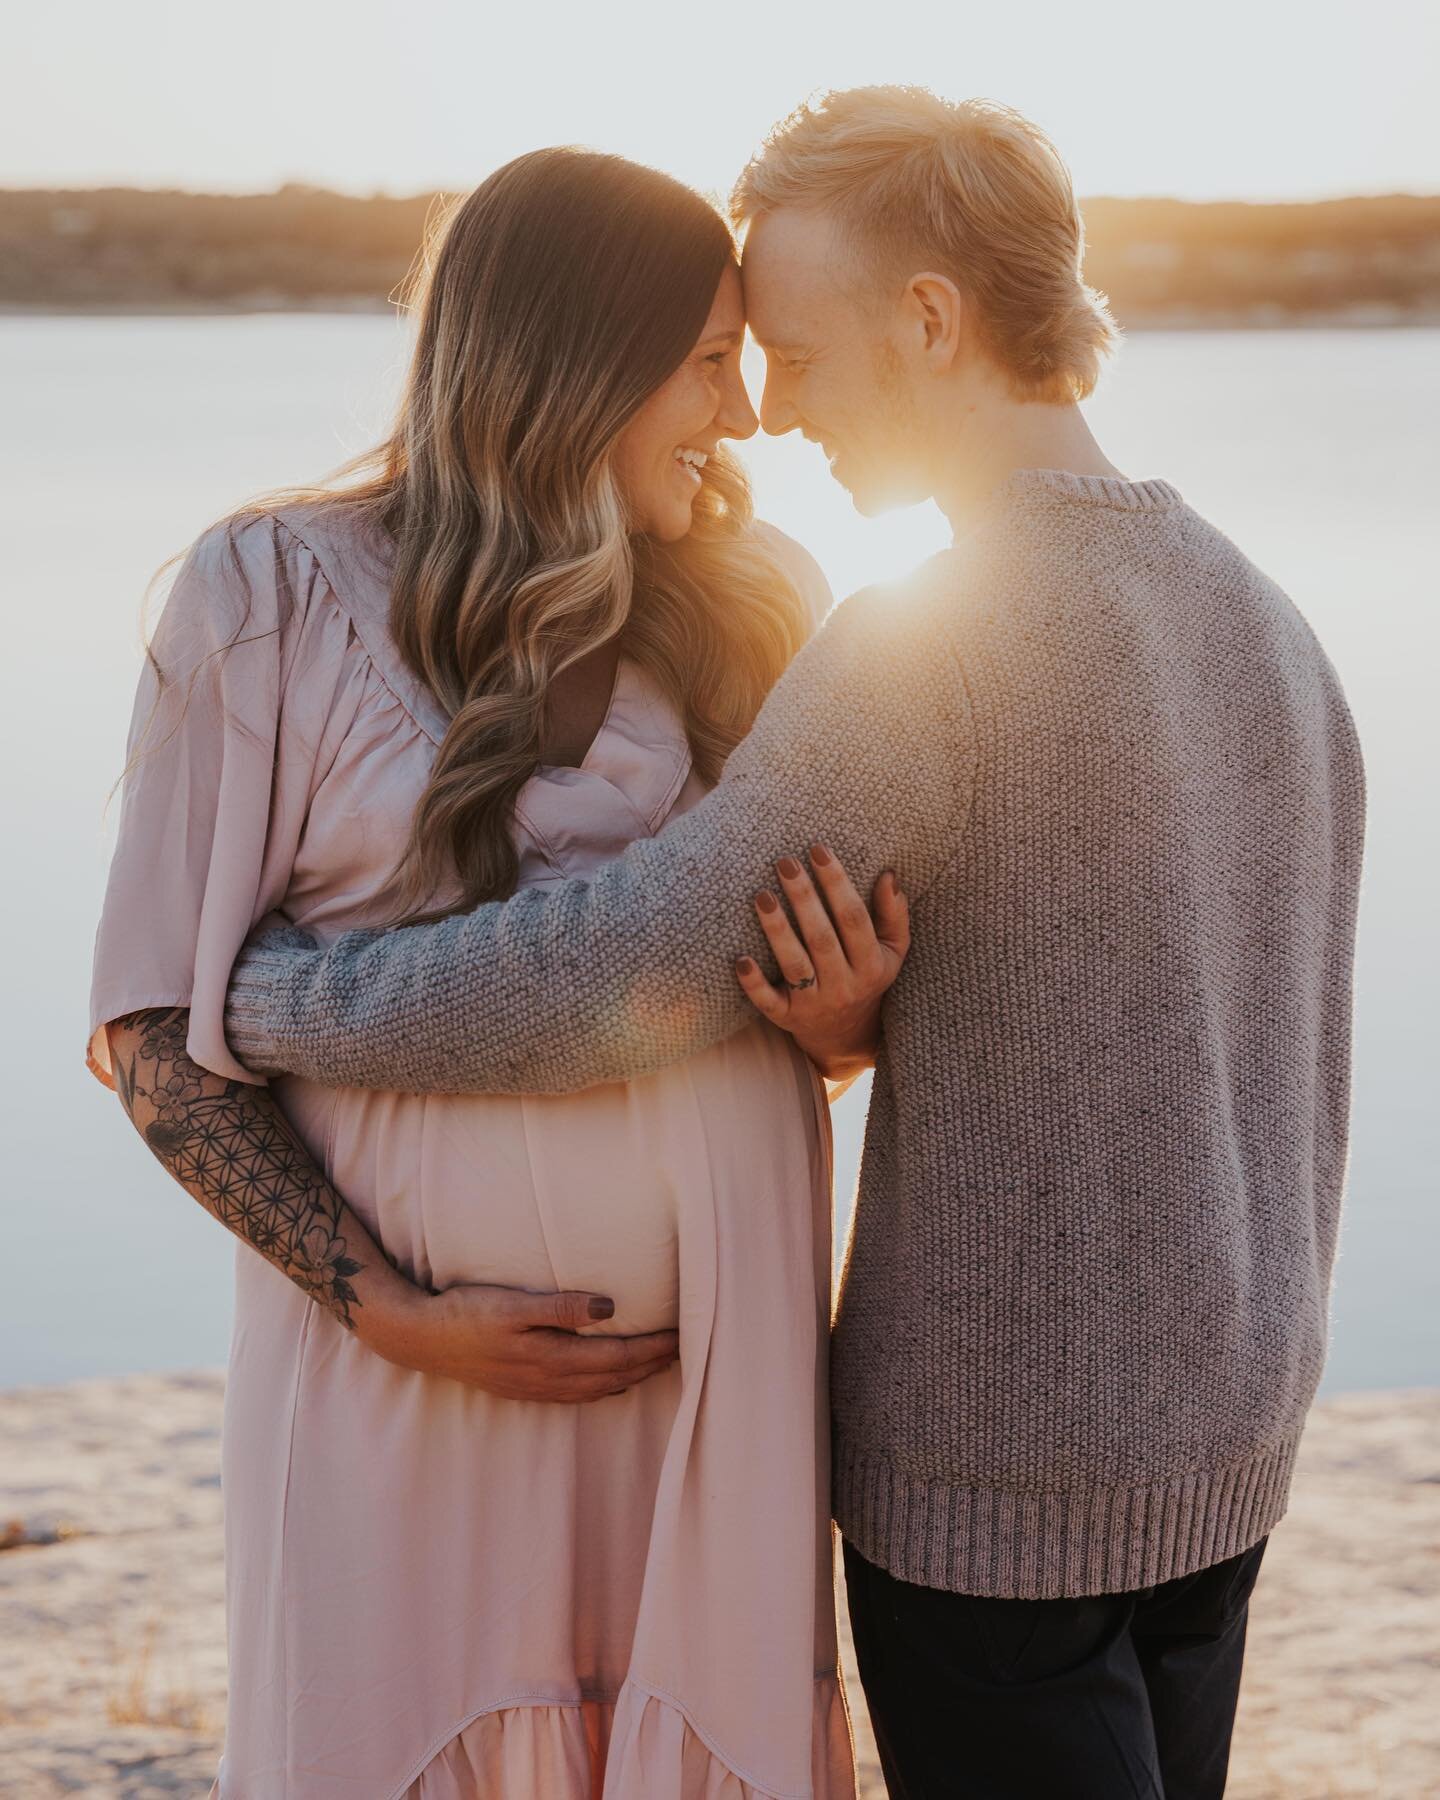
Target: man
<point x="1083" y="1311"/>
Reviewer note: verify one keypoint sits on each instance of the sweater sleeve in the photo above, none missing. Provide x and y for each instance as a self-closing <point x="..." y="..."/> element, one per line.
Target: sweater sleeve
<point x="865" y="744"/>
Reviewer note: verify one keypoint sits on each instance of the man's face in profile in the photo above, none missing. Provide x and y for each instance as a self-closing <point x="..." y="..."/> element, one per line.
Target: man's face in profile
<point x="832" y="371"/>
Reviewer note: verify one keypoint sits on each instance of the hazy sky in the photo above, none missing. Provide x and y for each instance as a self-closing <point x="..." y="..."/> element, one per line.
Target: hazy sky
<point x="1233" y="98"/>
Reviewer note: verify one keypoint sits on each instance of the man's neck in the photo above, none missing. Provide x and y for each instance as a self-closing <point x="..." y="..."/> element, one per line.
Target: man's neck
<point x="993" y="436"/>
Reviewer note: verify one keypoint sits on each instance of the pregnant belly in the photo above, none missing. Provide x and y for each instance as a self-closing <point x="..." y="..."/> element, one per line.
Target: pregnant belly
<point x="586" y="1190"/>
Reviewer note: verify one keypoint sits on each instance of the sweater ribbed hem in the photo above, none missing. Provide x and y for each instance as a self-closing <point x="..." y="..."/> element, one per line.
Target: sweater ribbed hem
<point x="1048" y="1546"/>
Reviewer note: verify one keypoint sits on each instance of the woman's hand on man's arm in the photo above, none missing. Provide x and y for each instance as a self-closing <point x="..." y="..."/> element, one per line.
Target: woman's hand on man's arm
<point x="231" y="1148"/>
<point x="836" y="962"/>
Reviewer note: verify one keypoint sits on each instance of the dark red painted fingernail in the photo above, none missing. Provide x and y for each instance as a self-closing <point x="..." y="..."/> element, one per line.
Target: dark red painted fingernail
<point x="744" y="966"/>
<point x="766" y="902"/>
<point x="601" y="1309"/>
<point x="788" y="867"/>
<point x="819" y="854"/>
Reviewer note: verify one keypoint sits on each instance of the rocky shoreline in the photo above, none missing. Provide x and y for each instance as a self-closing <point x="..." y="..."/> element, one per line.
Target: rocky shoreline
<point x="112" y="1657"/>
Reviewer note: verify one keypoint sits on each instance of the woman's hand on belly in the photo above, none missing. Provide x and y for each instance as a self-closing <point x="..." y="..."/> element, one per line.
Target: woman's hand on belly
<point x="836" y="962"/>
<point x="518" y="1345"/>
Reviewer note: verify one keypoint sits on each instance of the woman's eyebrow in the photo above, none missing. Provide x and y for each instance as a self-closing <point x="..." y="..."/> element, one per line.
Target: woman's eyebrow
<point x="723" y="337"/>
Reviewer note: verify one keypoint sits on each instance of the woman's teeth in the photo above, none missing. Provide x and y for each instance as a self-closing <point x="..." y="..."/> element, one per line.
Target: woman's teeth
<point x="692" y="461"/>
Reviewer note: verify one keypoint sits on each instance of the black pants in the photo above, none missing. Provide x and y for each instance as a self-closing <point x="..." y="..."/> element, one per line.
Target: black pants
<point x="1106" y="1698"/>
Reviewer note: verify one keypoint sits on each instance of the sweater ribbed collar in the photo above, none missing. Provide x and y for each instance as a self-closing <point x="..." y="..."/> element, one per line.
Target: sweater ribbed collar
<point x="1024" y="487"/>
<point x="1091" y="490"/>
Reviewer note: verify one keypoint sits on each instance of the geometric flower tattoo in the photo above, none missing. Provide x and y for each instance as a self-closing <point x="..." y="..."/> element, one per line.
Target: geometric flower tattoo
<point x="228" y="1144"/>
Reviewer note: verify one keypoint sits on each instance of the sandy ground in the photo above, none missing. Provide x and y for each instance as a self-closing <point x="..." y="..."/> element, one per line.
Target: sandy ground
<point x="112" y="1665"/>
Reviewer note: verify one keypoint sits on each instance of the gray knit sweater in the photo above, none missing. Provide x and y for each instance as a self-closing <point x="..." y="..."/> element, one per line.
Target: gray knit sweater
<point x="1083" y="1312"/>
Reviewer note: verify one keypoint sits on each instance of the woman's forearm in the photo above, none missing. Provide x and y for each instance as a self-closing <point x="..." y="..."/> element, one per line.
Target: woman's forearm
<point x="231" y="1148"/>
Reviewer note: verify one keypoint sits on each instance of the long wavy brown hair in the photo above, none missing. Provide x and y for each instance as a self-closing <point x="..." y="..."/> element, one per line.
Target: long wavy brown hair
<point x="552" y="302"/>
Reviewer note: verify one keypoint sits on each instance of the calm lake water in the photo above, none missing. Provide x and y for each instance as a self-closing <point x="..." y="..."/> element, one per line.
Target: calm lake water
<point x="121" y="438"/>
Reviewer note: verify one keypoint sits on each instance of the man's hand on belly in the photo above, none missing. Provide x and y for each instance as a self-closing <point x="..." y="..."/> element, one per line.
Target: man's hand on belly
<point x="516" y="1344"/>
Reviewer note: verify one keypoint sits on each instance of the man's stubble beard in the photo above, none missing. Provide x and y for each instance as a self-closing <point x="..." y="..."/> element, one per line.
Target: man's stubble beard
<point x="890" y="472"/>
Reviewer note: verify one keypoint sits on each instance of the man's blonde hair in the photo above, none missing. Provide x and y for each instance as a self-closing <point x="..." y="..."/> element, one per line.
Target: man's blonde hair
<point x="970" y="190"/>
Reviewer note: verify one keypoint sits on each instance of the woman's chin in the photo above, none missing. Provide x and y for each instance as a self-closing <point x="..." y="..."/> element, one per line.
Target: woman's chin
<point x="671" y="524"/>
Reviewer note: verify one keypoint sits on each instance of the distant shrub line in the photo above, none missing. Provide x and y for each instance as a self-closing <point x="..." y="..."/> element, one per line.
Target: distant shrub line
<point x="1160" y="261"/>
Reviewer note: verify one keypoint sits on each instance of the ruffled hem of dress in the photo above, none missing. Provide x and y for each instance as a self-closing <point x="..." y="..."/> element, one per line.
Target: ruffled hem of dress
<point x="640" y="1746"/>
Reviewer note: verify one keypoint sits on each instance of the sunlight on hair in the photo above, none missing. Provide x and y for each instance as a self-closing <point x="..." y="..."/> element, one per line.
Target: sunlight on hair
<point x="970" y="188"/>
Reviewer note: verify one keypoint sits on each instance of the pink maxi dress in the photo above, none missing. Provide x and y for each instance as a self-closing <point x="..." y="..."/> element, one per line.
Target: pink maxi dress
<point x="432" y="1593"/>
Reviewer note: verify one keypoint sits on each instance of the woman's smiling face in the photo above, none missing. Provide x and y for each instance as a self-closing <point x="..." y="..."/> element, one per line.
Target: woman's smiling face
<point x="661" y="451"/>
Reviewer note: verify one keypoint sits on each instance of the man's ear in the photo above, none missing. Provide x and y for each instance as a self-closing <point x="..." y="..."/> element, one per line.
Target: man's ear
<point x="941" y="312"/>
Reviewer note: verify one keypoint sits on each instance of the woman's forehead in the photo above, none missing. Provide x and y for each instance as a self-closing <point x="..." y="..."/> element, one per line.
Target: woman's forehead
<point x="727" y="310"/>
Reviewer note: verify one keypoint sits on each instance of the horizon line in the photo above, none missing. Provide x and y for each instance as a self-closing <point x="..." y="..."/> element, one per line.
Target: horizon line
<point x="296" y="184"/>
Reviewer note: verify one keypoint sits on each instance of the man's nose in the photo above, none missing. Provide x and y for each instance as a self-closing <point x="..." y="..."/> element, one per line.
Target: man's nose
<point x="777" y="415"/>
<point x="736" y="418"/>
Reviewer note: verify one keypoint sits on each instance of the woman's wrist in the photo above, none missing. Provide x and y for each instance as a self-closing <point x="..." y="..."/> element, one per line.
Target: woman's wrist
<point x="843" y="1059"/>
<point x="395" y="1319"/>
<point x="836" y="1064"/>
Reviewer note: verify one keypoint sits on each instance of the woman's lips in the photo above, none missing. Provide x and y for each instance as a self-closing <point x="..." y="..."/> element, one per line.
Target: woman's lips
<point x="691" y="461"/>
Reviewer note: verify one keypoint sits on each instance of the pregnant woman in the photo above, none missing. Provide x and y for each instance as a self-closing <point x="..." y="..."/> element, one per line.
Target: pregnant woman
<point x="481" y="1541"/>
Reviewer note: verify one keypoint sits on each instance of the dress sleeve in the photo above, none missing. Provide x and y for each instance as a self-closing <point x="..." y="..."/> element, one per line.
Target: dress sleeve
<point x="215" y="790"/>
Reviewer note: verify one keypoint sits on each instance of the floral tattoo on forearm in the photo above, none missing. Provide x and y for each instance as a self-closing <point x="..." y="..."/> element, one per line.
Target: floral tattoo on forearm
<point x="227" y="1143"/>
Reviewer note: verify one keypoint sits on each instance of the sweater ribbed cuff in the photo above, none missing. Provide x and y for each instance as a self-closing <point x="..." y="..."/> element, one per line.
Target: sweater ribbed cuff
<point x="1046" y="1546"/>
<point x="253" y="984"/>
